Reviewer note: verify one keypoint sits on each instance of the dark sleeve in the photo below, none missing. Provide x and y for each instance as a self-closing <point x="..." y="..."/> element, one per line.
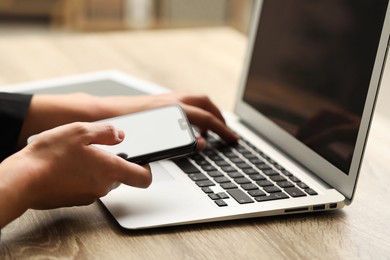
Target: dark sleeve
<point x="13" y="110"/>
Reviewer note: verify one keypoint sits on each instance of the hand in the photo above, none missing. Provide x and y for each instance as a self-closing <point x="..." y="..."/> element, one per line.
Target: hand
<point x="61" y="167"/>
<point x="201" y="112"/>
<point x="49" y="111"/>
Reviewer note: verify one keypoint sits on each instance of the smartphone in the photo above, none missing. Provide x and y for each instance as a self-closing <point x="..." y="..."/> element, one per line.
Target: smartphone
<point x="152" y="135"/>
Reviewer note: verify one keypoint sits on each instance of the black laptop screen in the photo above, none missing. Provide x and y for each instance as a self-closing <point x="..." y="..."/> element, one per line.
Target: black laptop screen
<point x="311" y="69"/>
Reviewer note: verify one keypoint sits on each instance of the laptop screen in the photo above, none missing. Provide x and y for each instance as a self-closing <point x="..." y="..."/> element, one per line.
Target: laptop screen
<point x="311" y="68"/>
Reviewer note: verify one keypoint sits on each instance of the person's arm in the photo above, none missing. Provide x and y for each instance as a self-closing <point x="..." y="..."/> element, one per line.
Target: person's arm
<point x="48" y="111"/>
<point x="61" y="167"/>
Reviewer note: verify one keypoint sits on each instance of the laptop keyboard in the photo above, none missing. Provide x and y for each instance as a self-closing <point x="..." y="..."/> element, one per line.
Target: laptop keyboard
<point x="242" y="172"/>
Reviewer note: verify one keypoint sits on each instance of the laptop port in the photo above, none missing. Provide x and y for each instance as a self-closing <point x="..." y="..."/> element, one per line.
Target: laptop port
<point x="333" y="205"/>
<point x="319" y="207"/>
<point x="296" y="210"/>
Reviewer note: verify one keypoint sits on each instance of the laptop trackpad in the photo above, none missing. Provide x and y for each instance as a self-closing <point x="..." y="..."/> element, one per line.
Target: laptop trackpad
<point x="159" y="173"/>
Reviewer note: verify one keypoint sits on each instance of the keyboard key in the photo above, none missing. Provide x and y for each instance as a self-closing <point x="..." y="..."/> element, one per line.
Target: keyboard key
<point x="256" y="161"/>
<point x="277" y="178"/>
<point x="263" y="166"/>
<point x="222" y="195"/>
<point x="228" y="169"/>
<point x="295" y="192"/>
<point x="209" y="152"/>
<point x="202" y="162"/>
<point x="249" y="156"/>
<point x="222" y="179"/>
<point x="207" y="190"/>
<point x="235" y="175"/>
<point x="205" y="183"/>
<point x="220" y="203"/>
<point x="197" y="176"/>
<point x="229" y="185"/>
<point x="215" y="158"/>
<point x="279" y="167"/>
<point x="250" y="171"/>
<point x="249" y="186"/>
<point x="311" y="192"/>
<point x="257" y="177"/>
<point x="272" y="161"/>
<point x="208" y="168"/>
<point x="240" y="196"/>
<point x="264" y="183"/>
<point x="222" y="163"/>
<point x="214" y="196"/>
<point x="214" y="174"/>
<point x="224" y="149"/>
<point x="294" y="179"/>
<point x="243" y="165"/>
<point x="256" y="193"/>
<point x="215" y="146"/>
<point x="230" y="154"/>
<point x="270" y="172"/>
<point x="272" y="196"/>
<point x="302" y="185"/>
<point x="241" y="149"/>
<point x="285" y="184"/>
<point x="272" y="189"/>
<point x="237" y="160"/>
<point x="242" y="180"/>
<point x="186" y="166"/>
<point x="266" y="157"/>
<point x="287" y="173"/>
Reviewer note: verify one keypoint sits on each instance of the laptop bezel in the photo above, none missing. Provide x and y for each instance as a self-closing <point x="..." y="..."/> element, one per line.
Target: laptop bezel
<point x="287" y="144"/>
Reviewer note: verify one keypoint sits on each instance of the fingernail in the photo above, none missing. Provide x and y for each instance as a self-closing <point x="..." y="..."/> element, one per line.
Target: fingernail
<point x="120" y="135"/>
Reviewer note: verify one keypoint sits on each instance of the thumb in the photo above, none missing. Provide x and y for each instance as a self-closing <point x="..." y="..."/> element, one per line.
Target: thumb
<point x="105" y="134"/>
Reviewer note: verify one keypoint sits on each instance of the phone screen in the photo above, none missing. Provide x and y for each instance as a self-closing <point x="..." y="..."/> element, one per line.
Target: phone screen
<point x="153" y="134"/>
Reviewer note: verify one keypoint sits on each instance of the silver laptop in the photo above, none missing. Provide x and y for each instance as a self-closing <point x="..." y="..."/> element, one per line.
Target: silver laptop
<point x="303" y="111"/>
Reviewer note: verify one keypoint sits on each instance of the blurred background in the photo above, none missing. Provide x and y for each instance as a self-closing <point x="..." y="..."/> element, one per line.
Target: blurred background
<point x="103" y="15"/>
<point x="183" y="45"/>
<point x="85" y="16"/>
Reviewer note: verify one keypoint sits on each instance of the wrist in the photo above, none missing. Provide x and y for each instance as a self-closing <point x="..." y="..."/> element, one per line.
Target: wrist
<point x="112" y="106"/>
<point x="13" y="189"/>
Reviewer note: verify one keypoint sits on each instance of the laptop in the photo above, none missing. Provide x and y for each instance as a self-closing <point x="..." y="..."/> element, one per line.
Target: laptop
<point x="303" y="111"/>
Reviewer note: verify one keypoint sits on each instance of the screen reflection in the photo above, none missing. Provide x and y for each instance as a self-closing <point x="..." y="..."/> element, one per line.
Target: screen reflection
<point x="311" y="69"/>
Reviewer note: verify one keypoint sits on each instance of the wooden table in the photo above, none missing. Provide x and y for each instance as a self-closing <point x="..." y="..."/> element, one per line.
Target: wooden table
<point x="207" y="61"/>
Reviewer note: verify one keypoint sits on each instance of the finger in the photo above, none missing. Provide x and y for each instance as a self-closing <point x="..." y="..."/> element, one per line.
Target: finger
<point x="205" y="103"/>
<point x="201" y="143"/>
<point x="115" y="185"/>
<point x="133" y="174"/>
<point x="100" y="133"/>
<point x="207" y="121"/>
